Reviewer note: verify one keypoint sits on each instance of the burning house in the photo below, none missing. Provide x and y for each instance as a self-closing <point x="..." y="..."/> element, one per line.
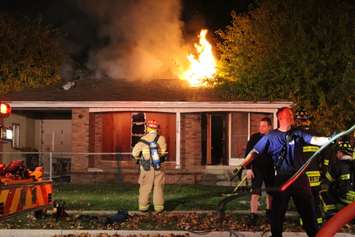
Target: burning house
<point x="97" y="122"/>
<point x="93" y="122"/>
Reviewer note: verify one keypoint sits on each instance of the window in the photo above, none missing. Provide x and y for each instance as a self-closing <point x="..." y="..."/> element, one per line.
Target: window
<point x="138" y="127"/>
<point x="16" y="135"/>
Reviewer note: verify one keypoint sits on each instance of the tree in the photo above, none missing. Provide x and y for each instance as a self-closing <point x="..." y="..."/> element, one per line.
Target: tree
<point x="31" y="55"/>
<point x="301" y="51"/>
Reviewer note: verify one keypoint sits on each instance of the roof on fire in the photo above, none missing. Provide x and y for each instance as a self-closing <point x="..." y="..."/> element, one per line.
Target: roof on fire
<point x="117" y="90"/>
<point x="103" y="95"/>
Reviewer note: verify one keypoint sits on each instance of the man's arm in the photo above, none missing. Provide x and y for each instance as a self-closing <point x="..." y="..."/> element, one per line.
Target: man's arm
<point x="162" y="145"/>
<point x="319" y="141"/>
<point x="136" y="151"/>
<point x="250" y="145"/>
<point x="309" y="138"/>
<point x="249" y="158"/>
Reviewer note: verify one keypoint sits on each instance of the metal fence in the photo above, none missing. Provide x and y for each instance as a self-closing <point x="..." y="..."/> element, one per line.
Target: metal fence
<point x="57" y="165"/>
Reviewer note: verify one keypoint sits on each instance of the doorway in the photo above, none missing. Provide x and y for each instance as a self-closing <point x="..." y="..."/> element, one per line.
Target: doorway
<point x="214" y="139"/>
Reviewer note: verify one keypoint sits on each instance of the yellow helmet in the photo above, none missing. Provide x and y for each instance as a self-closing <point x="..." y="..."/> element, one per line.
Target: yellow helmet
<point x="301" y="114"/>
<point x="345" y="147"/>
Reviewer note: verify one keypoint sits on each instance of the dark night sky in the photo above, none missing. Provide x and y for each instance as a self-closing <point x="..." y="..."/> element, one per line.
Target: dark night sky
<point x="83" y="32"/>
<point x="211" y="13"/>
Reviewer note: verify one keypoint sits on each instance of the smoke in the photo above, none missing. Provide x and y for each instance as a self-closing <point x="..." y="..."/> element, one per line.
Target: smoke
<point x="143" y="38"/>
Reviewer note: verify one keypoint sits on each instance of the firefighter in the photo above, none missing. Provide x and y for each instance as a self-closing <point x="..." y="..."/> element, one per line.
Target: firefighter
<point x="280" y="144"/>
<point x="305" y="151"/>
<point x="341" y="180"/>
<point x="150" y="150"/>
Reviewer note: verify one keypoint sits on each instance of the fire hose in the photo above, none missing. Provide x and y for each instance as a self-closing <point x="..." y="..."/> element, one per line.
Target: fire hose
<point x="236" y="195"/>
<point x="309" y="161"/>
<point x="342" y="217"/>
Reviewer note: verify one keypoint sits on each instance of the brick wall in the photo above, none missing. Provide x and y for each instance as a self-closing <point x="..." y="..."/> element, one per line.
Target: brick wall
<point x="88" y="136"/>
<point x="80" y="142"/>
<point x="191" y="141"/>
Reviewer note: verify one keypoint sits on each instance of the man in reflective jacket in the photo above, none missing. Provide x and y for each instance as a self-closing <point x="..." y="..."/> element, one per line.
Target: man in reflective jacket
<point x="305" y="151"/>
<point x="341" y="179"/>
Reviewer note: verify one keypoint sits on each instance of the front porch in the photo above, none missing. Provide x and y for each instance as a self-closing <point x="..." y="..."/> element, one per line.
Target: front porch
<point x="206" y="140"/>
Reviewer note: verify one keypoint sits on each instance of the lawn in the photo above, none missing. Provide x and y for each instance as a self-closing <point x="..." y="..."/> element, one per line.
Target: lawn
<point x="125" y="197"/>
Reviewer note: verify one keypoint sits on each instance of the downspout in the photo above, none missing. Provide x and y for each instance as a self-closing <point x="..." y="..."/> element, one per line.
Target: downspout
<point x="178" y="142"/>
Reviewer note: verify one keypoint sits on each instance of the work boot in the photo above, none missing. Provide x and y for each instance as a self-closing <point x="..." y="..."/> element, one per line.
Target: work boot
<point x="253" y="219"/>
<point x="158" y="209"/>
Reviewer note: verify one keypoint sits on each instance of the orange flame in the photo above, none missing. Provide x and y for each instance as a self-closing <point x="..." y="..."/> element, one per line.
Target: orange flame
<point x="202" y="67"/>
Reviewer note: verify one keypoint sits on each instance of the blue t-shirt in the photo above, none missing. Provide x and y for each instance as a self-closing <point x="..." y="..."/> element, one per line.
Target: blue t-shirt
<point x="281" y="147"/>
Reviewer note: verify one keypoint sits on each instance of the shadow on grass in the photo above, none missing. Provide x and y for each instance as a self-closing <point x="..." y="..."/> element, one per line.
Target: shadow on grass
<point x="172" y="204"/>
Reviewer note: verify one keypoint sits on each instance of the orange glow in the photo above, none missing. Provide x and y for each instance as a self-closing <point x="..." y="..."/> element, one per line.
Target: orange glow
<point x="201" y="67"/>
<point x="5" y="109"/>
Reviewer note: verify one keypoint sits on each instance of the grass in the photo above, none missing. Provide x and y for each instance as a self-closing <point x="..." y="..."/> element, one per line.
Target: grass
<point x="125" y="197"/>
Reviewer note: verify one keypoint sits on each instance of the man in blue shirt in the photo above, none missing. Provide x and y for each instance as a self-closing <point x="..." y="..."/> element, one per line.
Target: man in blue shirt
<point x="281" y="144"/>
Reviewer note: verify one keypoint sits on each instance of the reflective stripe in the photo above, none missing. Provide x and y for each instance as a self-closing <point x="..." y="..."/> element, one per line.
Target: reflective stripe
<point x="319" y="220"/>
<point x="350" y="196"/>
<point x="345" y="200"/>
<point x="329" y="207"/>
<point x="329" y="177"/>
<point x="143" y="207"/>
<point x="326" y="162"/>
<point x="314" y="184"/>
<point x="345" y="176"/>
<point x="313" y="173"/>
<point x="314" y="178"/>
<point x="310" y="148"/>
<point x="158" y="208"/>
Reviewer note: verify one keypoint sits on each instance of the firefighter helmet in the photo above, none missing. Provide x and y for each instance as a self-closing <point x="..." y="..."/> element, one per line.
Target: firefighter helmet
<point x="345" y="147"/>
<point x="152" y="124"/>
<point x="301" y="114"/>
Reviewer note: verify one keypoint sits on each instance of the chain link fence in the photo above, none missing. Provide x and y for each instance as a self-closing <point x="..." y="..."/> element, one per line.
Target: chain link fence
<point x="57" y="165"/>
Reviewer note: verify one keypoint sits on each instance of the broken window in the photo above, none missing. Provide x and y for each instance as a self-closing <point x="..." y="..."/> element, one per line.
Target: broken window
<point x="138" y="127"/>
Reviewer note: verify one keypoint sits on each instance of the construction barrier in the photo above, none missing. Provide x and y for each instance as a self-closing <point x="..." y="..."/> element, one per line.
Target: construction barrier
<point x="16" y="198"/>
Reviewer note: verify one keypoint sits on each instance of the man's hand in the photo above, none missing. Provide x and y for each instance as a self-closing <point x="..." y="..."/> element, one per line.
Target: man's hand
<point x="237" y="172"/>
<point x="250" y="174"/>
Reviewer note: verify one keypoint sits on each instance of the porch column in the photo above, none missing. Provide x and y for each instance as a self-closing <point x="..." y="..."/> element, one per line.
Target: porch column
<point x="80" y="144"/>
<point x="178" y="141"/>
<point x="275" y="120"/>
<point x="229" y="120"/>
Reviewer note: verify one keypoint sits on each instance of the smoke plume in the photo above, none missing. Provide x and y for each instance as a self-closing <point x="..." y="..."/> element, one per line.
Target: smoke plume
<point x="143" y="38"/>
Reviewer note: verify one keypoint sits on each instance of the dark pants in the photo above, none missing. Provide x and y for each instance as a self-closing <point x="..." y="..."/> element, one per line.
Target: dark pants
<point x="262" y="175"/>
<point x="317" y="204"/>
<point x="301" y="194"/>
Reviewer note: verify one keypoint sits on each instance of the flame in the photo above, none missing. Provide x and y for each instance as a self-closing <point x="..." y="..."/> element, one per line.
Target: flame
<point x="202" y="67"/>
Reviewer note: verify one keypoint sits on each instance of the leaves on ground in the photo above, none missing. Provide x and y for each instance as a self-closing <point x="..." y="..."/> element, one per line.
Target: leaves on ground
<point x="192" y="222"/>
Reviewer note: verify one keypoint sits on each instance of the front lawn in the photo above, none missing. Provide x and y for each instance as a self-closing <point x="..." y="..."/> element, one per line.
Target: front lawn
<point x="125" y="197"/>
